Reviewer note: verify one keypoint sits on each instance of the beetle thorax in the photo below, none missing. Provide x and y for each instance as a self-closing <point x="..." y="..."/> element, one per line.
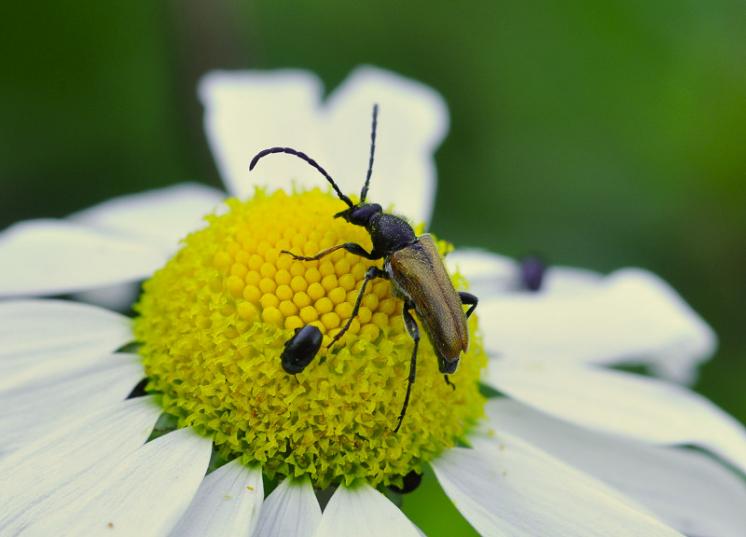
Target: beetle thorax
<point x="390" y="233"/>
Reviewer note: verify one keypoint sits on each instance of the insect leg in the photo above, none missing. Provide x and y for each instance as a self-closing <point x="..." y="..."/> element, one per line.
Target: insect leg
<point x="414" y="331"/>
<point x="373" y="272"/>
<point x="448" y="381"/>
<point x="469" y="300"/>
<point x="351" y="247"/>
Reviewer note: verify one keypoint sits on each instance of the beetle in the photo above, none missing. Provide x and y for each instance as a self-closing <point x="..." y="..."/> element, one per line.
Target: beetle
<point x="412" y="265"/>
<point x="301" y="349"/>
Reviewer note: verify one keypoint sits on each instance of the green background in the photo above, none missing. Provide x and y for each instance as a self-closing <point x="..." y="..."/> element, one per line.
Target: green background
<point x="599" y="134"/>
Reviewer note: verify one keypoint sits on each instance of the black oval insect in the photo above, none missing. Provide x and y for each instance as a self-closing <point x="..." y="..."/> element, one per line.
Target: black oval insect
<point x="413" y="266"/>
<point x="301" y="349"/>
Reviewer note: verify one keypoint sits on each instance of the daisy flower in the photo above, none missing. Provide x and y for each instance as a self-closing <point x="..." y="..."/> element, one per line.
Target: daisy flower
<point x="563" y="446"/>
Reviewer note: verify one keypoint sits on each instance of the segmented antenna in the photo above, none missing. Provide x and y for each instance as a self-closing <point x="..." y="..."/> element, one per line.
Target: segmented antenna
<point x="308" y="160"/>
<point x="373" y="127"/>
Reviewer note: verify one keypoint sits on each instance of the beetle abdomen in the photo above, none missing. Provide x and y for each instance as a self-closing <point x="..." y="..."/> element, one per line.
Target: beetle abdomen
<point x="420" y="275"/>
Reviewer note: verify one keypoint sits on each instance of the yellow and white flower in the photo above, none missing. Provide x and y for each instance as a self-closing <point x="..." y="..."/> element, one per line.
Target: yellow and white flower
<point x="570" y="448"/>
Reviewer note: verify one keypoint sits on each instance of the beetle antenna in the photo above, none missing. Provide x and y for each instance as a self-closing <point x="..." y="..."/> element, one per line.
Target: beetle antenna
<point x="308" y="160"/>
<point x="373" y="126"/>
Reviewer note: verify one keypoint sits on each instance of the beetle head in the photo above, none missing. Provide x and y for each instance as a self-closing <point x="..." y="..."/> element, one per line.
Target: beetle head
<point x="360" y="214"/>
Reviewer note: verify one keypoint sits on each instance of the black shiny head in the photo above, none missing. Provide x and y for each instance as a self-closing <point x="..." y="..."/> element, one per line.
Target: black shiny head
<point x="360" y="214"/>
<point x="301" y="349"/>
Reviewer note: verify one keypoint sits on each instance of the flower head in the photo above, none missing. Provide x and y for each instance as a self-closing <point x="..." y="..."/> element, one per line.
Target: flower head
<point x="213" y="323"/>
<point x="568" y="448"/>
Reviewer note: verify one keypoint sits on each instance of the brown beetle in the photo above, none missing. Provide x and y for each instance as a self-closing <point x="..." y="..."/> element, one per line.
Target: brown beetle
<point x="415" y="270"/>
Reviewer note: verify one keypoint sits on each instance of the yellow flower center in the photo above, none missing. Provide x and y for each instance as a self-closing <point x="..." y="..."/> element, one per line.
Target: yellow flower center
<point x="213" y="323"/>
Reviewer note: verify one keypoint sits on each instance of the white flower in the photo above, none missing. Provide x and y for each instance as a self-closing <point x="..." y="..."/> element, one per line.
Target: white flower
<point x="630" y="316"/>
<point x="573" y="449"/>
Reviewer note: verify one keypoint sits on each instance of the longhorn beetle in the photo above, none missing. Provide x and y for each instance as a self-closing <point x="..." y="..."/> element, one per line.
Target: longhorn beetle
<point x="413" y="266"/>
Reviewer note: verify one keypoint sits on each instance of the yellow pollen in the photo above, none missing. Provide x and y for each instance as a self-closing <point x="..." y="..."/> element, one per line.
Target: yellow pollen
<point x="214" y="320"/>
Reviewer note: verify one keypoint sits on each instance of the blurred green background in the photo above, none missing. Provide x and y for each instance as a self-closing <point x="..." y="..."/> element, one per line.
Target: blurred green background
<point x="599" y="134"/>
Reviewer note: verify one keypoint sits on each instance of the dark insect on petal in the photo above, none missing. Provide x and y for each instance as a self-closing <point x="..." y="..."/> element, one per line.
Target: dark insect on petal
<point x="411" y="481"/>
<point x="533" y="269"/>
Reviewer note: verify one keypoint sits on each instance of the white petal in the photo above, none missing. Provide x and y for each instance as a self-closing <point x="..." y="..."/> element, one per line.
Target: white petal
<point x="248" y="111"/>
<point x="493" y="274"/>
<point x="684" y="488"/>
<point x="43" y="337"/>
<point x="163" y="216"/>
<point x="632" y="317"/>
<point x="621" y="403"/>
<point x="115" y="297"/>
<point x="48" y="257"/>
<point x="570" y="280"/>
<point x="30" y="474"/>
<point x="28" y="412"/>
<point x="487" y="273"/>
<point x="506" y="487"/>
<point x="143" y="494"/>
<point x="412" y="122"/>
<point x="227" y="503"/>
<point x="364" y="512"/>
<point x="290" y="511"/>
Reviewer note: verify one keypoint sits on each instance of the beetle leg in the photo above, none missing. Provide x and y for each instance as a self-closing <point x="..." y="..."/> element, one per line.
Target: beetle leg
<point x="373" y="272"/>
<point x="414" y="331"/>
<point x="448" y="381"/>
<point x="469" y="300"/>
<point x="351" y="247"/>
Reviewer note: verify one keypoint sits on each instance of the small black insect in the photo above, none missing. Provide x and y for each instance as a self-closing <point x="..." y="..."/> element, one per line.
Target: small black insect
<point x="301" y="349"/>
<point x="533" y="271"/>
<point x="413" y="266"/>
<point x="410" y="483"/>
